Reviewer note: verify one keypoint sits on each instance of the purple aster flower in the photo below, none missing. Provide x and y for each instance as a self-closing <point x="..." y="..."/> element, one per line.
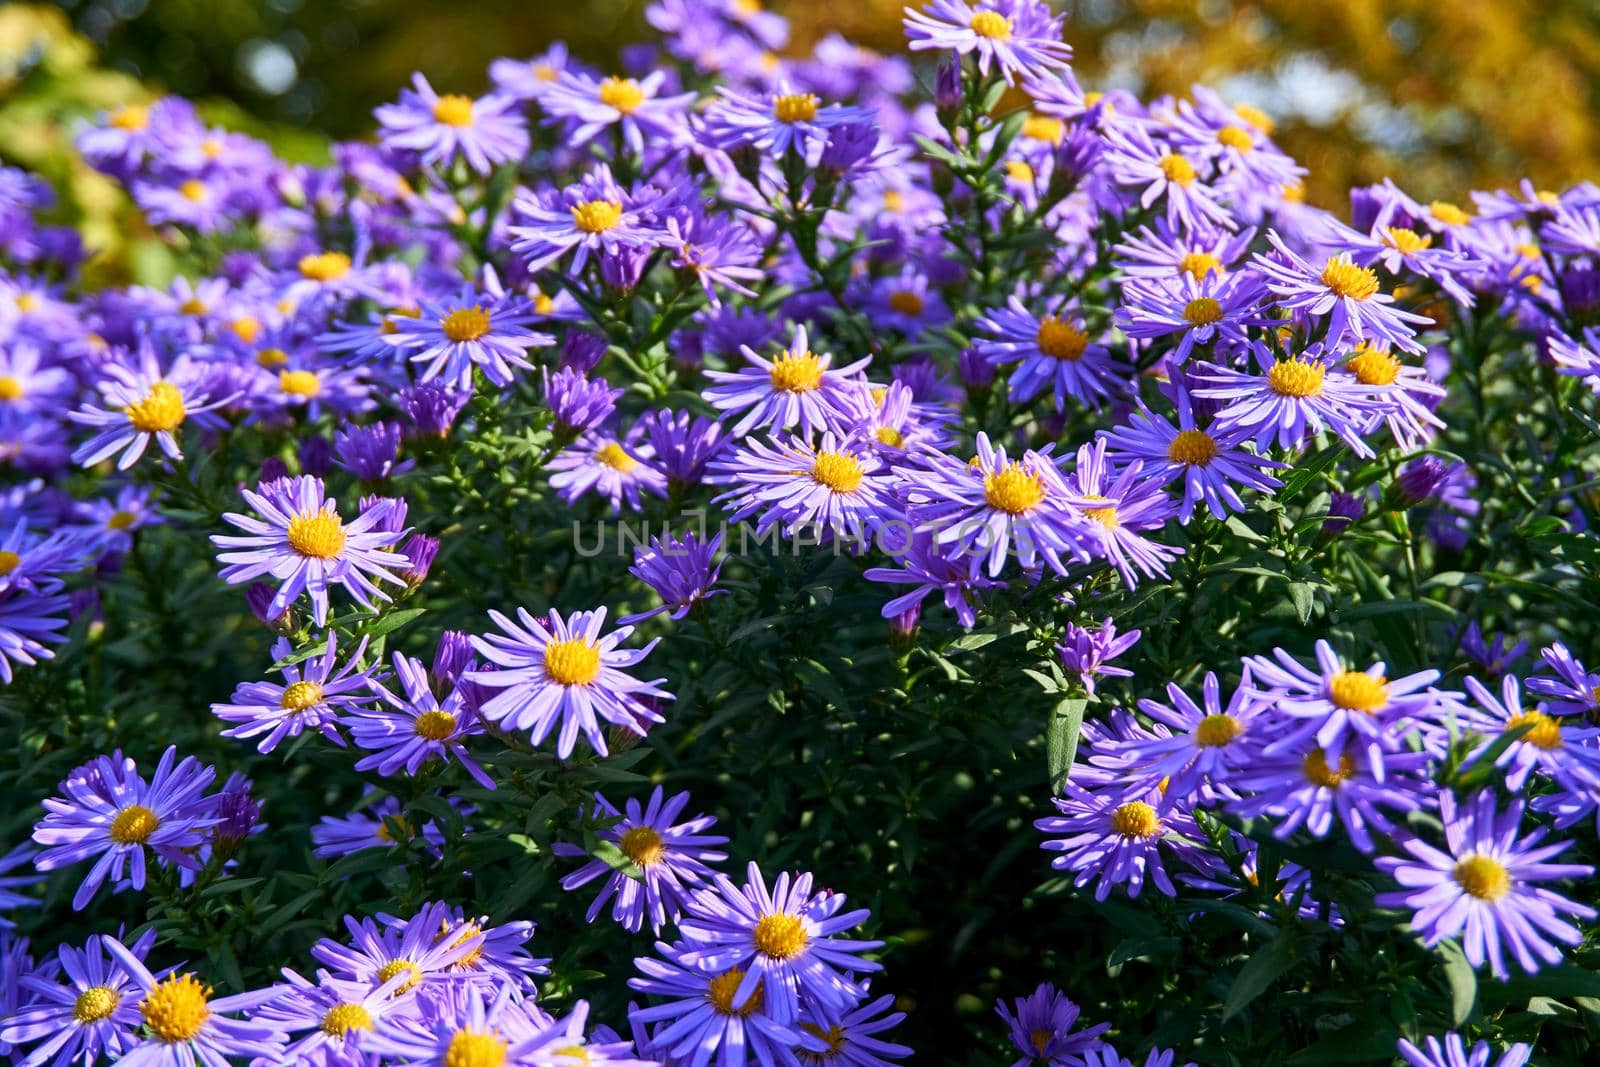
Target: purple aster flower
<point x="1168" y="253"/>
<point x="1117" y="505"/>
<point x="668" y="860"/>
<point x="301" y="540"/>
<point x="332" y="1016"/>
<point x="184" y="1024"/>
<point x="890" y="420"/>
<point x="798" y="387"/>
<point x="370" y="452"/>
<point x="840" y="487"/>
<point x="1290" y="400"/>
<point x="684" y="444"/>
<point x="1112" y="838"/>
<point x="906" y="303"/>
<point x="336" y="836"/>
<point x="1055" y="353"/>
<point x="616" y="469"/>
<point x="776" y="122"/>
<point x="1577" y="360"/>
<point x="1218" y="310"/>
<point x="416" y="727"/>
<point x="107" y="811"/>
<point x="471" y="330"/>
<point x="1085" y="652"/>
<point x="440" y="129"/>
<point x="1209" y="464"/>
<point x="27" y="621"/>
<point x="1562" y="749"/>
<point x="312" y="697"/>
<point x="588" y="106"/>
<point x="1575" y="690"/>
<point x="1160" y="171"/>
<point x="9" y="899"/>
<point x="1485" y="887"/>
<point x="1019" y="38"/>
<point x="563" y="671"/>
<point x="1494" y="656"/>
<point x="499" y="958"/>
<point x="681" y="571"/>
<point x="1452" y="1052"/>
<point x="462" y="1024"/>
<point x="577" y="403"/>
<point x="1308" y="788"/>
<point x="716" y="252"/>
<point x="90" y="1012"/>
<point x="112" y="522"/>
<point x="431" y="408"/>
<point x="1417" y="481"/>
<point x="703" y="1020"/>
<point x="420" y="552"/>
<point x="848" y="1041"/>
<point x="28" y="385"/>
<point x="928" y="568"/>
<point x="1208" y="743"/>
<point x="1348" y="294"/>
<point x="596" y="217"/>
<point x="1409" y="395"/>
<point x="783" y="940"/>
<point x="16" y="962"/>
<point x="142" y="403"/>
<point x="1041" y="1028"/>
<point x="380" y="949"/>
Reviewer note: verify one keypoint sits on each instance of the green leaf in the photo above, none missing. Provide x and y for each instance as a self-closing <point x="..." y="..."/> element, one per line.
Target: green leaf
<point x="1269" y="963"/>
<point x="1563" y="982"/>
<point x="1061" y="739"/>
<point x="1463" y="981"/>
<point x="1141" y="948"/>
<point x="1304" y="598"/>
<point x="392" y="622"/>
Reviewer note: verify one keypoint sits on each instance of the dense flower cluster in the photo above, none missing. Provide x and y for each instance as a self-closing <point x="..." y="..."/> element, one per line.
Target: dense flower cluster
<point x="1043" y="352"/>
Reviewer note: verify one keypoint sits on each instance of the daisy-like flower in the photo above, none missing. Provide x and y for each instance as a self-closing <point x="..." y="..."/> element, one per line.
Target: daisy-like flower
<point x="142" y="403"/>
<point x="472" y="330"/>
<point x="1167" y="253"/>
<point x="1208" y="744"/>
<point x="1087" y="652"/>
<point x="849" y="1041"/>
<point x="1217" y="310"/>
<point x="485" y="132"/>
<point x="775" y="122"/>
<point x="578" y="403"/>
<point x="184" y="1025"/>
<point x="379" y="949"/>
<point x="1344" y="292"/>
<point x="703" y="1021"/>
<point x="684" y="444"/>
<point x="1308" y="788"/>
<point x="1337" y="706"/>
<point x="313" y="695"/>
<point x="1114" y="838"/>
<point x="835" y="486"/>
<point x="1117" y="505"/>
<point x="376" y="827"/>
<point x="1210" y="464"/>
<point x="1051" y="353"/>
<point x="499" y="958"/>
<point x="1161" y="172"/>
<point x="26" y="384"/>
<point x="416" y="726"/>
<point x="562" y="671"/>
<point x="782" y="940"/>
<point x="669" y="859"/>
<point x="89" y="1013"/>
<point x="1485" y="886"/>
<point x="1018" y="38"/>
<point x="891" y="421"/>
<point x="333" y="1016"/>
<point x="1040" y="1026"/>
<point x="594" y="217"/>
<point x="682" y="572"/>
<point x="301" y="540"/>
<point x="906" y="303"/>
<point x="588" y="106"/>
<point x="32" y="563"/>
<point x="27" y="621"/>
<point x="462" y="1026"/>
<point x="929" y="568"/>
<point x="112" y="522"/>
<point x="107" y="811"/>
<point x="619" y="469"/>
<point x="1575" y="690"/>
<point x="1565" y="750"/>
<point x="1409" y="395"/>
<point x="1577" y="359"/>
<point x="1453" y="1052"/>
<point x="798" y="387"/>
<point x="1290" y="400"/>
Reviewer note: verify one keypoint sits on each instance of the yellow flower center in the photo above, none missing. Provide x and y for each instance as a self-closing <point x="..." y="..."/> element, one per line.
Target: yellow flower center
<point x="1297" y="378"/>
<point x="992" y="25"/>
<point x="796" y="373"/>
<point x="1041" y="1039"/>
<point x="1013" y="490"/>
<point x="325" y="266"/>
<point x="1256" y="117"/>
<point x="1019" y="171"/>
<point x="1199" y="264"/>
<point x="475" y="1048"/>
<point x="1448" y="213"/>
<point x="643" y="846"/>
<point x="193" y="190"/>
<point x="1177" y="169"/>
<point x="890" y="436"/>
<point x="1235" y="137"/>
<point x="574" y="662"/>
<point x="161" y="410"/>
<point x="1315" y="768"/>
<point x="1043" y="128"/>
<point x="894" y="201"/>
<point x="721" y="989"/>
<point x="833" y="1037"/>
<point x="781" y="936"/>
<point x="394" y="967"/>
<point x="435" y="725"/>
<point x="597" y="216"/>
<point x="10" y="388"/>
<point x="175" y="1010"/>
<point x="623" y="94"/>
<point x="1106" y="516"/>
<point x="1358" y="691"/>
<point x="906" y="302"/>
<point x="453" y="109"/>
<point x="319" y="535"/>
<point x="1192" y="447"/>
<point x="344" y="1018"/>
<point x="1373" y="366"/>
<point x="543" y="305"/>
<point x="95" y="1003"/>
<point x="272" y="357"/>
<point x="1344" y="278"/>
<point x="465" y="324"/>
<point x="1483" y="877"/>
<point x="616" y="457"/>
<point x="1202" y="311"/>
<point x="8" y="561"/>
<point x="300" y="696"/>
<point x="300" y="382"/>
<point x="1294" y="192"/>
<point x="130" y="117"/>
<point x="246" y="328"/>
<point x="839" y="471"/>
<point x="795" y="107"/>
<point x="121" y="520"/>
<point x="1061" y="340"/>
<point x="134" y="824"/>
<point x="1406" y="241"/>
<point x="1214" y="731"/>
<point x="1545" y="732"/>
<point x="1135" y="819"/>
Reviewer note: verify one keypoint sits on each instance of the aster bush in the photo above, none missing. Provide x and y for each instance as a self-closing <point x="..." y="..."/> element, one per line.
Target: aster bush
<point x="977" y="565"/>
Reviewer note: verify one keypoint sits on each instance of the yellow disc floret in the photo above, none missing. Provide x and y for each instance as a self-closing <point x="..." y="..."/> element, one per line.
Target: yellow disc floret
<point x="300" y="383"/>
<point x="781" y="936"/>
<point x="991" y="25"/>
<point x="1214" y="731"/>
<point x="475" y="1048"/>
<point x="465" y="324"/>
<point x="161" y="410"/>
<point x="319" y="535"/>
<point x="795" y="107"/>
<point x="597" y="216"/>
<point x="1202" y="311"/>
<point x="435" y="725"/>
<point x="721" y="989"/>
<point x="1177" y="169"/>
<point x="343" y="1018"/>
<point x="1135" y="819"/>
<point x="642" y="845"/>
<point x="1544" y="732"/>
<point x="300" y="696"/>
<point x="1483" y="877"/>
<point x="1236" y="138"/>
<point x="175" y="1010"/>
<point x="1199" y="264"/>
<point x="325" y="266"/>
<point x="1373" y="366"/>
<point x="839" y="471"/>
<point x="1061" y="340"/>
<point x="613" y="455"/>
<point x="1013" y="490"/>
<point x="1317" y="772"/>
<point x="574" y="662"/>
<point x="1358" y="691"/>
<point x="412" y="972"/>
<point x="95" y="1003"/>
<point x="623" y="94"/>
<point x="1344" y="278"/>
<point x="134" y="824"/>
<point x="1296" y="378"/>
<point x="453" y="109"/>
<point x="793" y="373"/>
<point x="1192" y="447"/>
